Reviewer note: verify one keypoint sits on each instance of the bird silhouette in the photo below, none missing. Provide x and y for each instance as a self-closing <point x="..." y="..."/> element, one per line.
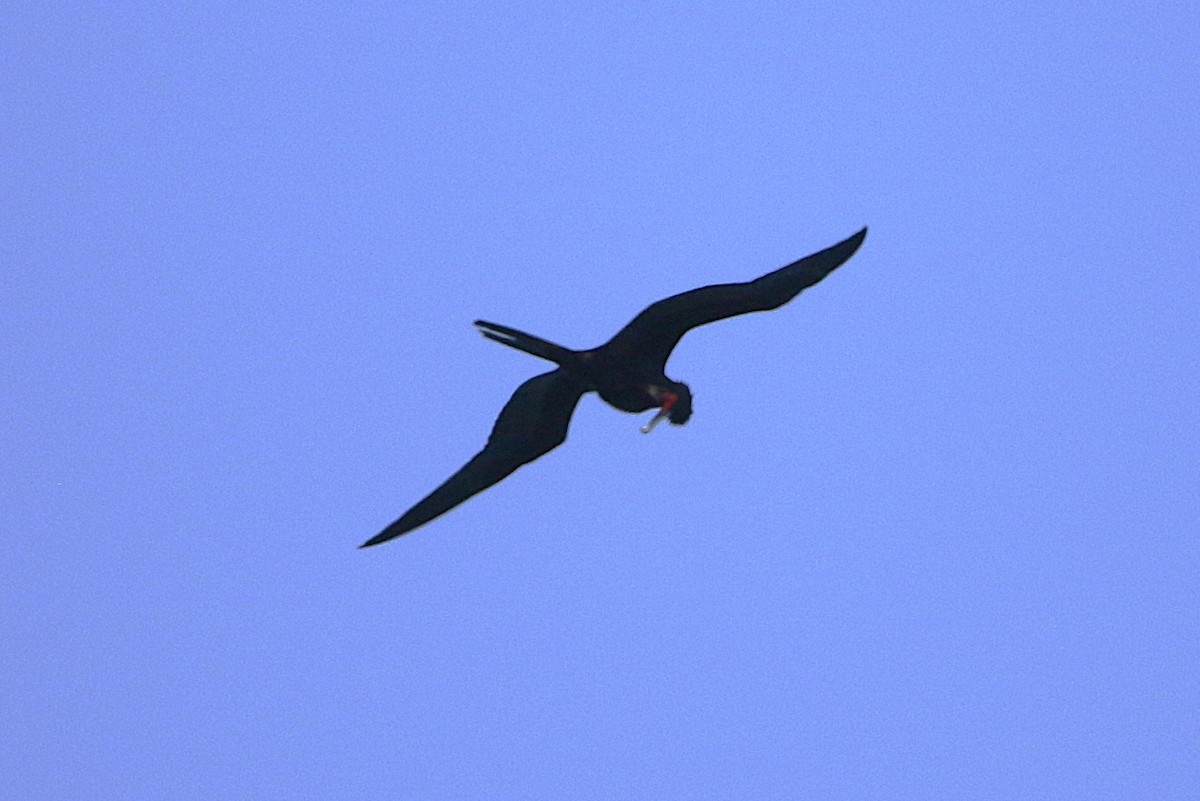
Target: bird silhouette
<point x="627" y="372"/>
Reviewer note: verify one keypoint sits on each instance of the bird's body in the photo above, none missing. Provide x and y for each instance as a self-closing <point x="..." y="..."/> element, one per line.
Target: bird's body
<point x="627" y="372"/>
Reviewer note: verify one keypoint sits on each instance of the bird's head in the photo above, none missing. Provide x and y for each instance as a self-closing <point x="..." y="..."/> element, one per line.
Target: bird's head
<point x="681" y="410"/>
<point x="675" y="404"/>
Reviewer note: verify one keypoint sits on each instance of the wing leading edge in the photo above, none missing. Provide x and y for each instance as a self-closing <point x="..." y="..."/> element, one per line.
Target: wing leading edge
<point x="657" y="329"/>
<point x="532" y="423"/>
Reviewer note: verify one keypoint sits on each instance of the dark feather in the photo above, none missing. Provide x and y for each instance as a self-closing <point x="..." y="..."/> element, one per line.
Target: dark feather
<point x="627" y="372"/>
<point x="652" y="335"/>
<point x="532" y="423"/>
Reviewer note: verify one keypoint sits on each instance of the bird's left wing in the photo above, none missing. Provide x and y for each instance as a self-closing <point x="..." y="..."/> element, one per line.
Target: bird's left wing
<point x="655" y="332"/>
<point x="532" y="423"/>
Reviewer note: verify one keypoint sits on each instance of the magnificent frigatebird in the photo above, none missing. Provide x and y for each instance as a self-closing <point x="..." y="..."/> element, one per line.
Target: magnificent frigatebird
<point x="627" y="371"/>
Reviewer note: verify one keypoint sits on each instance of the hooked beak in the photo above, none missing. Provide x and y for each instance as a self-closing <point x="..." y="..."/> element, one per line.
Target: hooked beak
<point x="668" y="401"/>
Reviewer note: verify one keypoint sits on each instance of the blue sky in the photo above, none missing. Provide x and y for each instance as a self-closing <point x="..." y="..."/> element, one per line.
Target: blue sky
<point x="931" y="532"/>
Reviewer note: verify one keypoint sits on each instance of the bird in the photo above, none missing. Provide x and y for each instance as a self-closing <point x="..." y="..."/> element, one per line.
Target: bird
<point x="627" y="372"/>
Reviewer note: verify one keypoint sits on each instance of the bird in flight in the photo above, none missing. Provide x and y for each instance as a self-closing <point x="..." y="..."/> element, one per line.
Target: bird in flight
<point x="627" y="372"/>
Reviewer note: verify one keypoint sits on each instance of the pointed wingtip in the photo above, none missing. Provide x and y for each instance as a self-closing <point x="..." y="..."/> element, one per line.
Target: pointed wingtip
<point x="378" y="539"/>
<point x="850" y="245"/>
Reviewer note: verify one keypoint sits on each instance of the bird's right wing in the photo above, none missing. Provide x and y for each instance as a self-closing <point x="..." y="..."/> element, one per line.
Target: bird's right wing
<point x="655" y="332"/>
<point x="532" y="423"/>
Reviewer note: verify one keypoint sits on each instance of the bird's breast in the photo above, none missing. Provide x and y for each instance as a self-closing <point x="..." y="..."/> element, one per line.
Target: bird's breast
<point x="621" y="387"/>
<point x="628" y="396"/>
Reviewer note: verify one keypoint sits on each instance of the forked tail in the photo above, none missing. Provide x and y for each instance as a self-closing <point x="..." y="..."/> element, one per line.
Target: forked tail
<point x="526" y="342"/>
